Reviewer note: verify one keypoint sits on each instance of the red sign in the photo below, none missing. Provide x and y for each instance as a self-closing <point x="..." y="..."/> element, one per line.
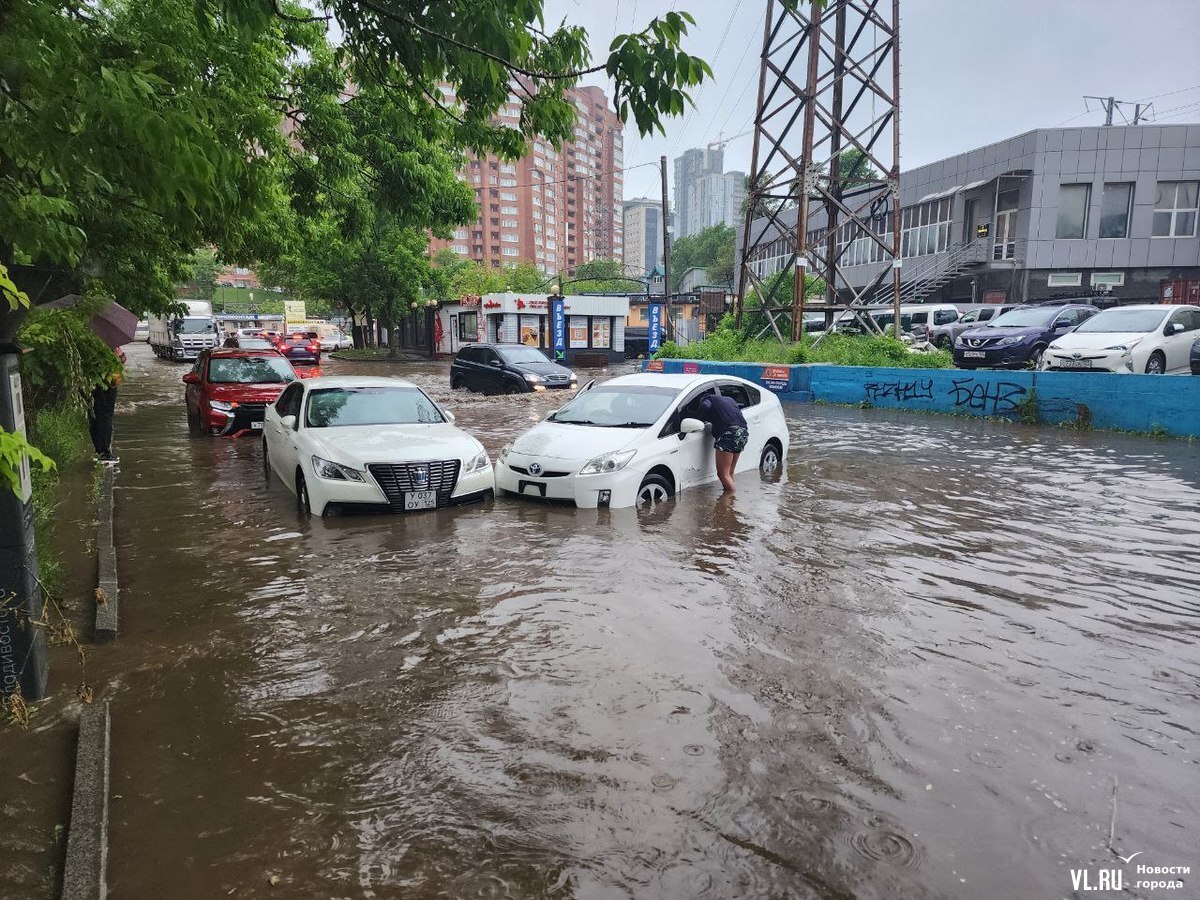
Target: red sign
<point x="468" y="300"/>
<point x="492" y="304"/>
<point x="994" y="296"/>
<point x="655" y="365"/>
<point x="776" y="378"/>
<point x="691" y="368"/>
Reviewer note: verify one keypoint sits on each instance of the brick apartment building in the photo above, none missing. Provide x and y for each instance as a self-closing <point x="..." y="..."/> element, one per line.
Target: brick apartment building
<point x="556" y="209"/>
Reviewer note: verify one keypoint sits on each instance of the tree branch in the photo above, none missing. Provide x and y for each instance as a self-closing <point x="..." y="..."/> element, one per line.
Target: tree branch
<point x="508" y="64"/>
<point x="301" y="19"/>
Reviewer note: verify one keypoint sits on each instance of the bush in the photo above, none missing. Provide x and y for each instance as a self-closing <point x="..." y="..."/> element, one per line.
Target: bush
<point x="727" y="345"/>
<point x="61" y="432"/>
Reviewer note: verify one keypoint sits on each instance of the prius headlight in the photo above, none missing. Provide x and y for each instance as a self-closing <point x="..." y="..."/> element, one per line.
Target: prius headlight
<point x="1125" y="347"/>
<point x="609" y="462"/>
<point x="504" y="451"/>
<point x="479" y="462"/>
<point x="334" y="471"/>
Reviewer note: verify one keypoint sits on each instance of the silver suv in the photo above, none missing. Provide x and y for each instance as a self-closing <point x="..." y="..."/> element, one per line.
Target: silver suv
<point x="973" y="315"/>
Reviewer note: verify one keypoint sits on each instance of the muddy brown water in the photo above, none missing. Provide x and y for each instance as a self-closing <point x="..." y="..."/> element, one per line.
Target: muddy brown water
<point x="916" y="668"/>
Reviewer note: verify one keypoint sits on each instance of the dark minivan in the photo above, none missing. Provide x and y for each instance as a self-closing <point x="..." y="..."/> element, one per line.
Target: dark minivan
<point x="1016" y="339"/>
<point x="506" y="369"/>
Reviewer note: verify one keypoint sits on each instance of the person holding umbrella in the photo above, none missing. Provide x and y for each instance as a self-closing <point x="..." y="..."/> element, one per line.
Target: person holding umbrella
<point x="104" y="405"/>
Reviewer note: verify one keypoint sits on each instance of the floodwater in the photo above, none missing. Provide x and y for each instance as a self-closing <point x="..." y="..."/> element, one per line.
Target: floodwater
<point x="944" y="658"/>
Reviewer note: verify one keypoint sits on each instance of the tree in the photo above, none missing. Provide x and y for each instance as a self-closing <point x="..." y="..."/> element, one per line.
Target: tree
<point x="854" y="169"/>
<point x="602" y="276"/>
<point x="202" y="278"/>
<point x="710" y="249"/>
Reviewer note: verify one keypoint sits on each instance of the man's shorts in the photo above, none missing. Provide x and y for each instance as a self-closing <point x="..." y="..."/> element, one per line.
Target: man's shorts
<point x="733" y="441"/>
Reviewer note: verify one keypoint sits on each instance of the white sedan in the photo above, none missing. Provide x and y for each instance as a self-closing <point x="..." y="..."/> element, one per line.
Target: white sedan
<point x="1149" y="338"/>
<point x="633" y="441"/>
<point x="336" y="340"/>
<point x="377" y="443"/>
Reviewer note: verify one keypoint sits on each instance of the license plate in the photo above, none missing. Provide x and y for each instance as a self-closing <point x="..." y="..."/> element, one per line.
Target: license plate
<point x="1074" y="363"/>
<point x="420" y="500"/>
<point x="974" y="354"/>
<point x="256" y="426"/>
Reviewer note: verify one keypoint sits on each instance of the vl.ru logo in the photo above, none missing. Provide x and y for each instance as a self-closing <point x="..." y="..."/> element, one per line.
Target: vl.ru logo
<point x="1097" y="880"/>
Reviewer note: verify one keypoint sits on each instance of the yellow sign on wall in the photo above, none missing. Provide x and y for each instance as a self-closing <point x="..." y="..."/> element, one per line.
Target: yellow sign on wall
<point x="293" y="311"/>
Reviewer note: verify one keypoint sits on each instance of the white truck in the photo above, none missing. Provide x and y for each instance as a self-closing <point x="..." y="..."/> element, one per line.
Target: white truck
<point x="181" y="338"/>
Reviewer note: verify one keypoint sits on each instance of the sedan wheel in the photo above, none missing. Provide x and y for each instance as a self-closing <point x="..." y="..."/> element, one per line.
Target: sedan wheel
<point x="302" y="501"/>
<point x="1156" y="365"/>
<point x="654" y="490"/>
<point x="770" y="463"/>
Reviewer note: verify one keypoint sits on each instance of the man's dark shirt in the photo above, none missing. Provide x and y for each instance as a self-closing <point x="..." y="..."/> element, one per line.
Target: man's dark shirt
<point x="722" y="413"/>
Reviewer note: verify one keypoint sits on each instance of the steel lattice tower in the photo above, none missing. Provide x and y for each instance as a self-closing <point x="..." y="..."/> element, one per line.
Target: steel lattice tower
<point x="829" y="82"/>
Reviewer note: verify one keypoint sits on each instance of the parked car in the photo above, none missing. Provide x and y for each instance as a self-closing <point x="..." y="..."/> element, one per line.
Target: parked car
<point x="336" y="340"/>
<point x="371" y="443"/>
<point x="1018" y="338"/>
<point x="1195" y="358"/>
<point x="228" y="390"/>
<point x="506" y="369"/>
<point x="249" y="342"/>
<point x="943" y="336"/>
<point x="915" y="318"/>
<point x="634" y="441"/>
<point x="301" y="349"/>
<point x="1148" y="338"/>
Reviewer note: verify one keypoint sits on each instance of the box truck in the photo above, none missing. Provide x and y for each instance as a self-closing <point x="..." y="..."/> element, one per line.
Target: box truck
<point x="181" y="338"/>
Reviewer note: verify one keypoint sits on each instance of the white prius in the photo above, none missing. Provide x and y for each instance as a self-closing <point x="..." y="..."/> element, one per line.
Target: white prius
<point x="376" y="443"/>
<point x="634" y="441"/>
<point x="1150" y="338"/>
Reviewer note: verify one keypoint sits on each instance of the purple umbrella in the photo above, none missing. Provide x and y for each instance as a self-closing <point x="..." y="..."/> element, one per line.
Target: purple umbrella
<point x="114" y="324"/>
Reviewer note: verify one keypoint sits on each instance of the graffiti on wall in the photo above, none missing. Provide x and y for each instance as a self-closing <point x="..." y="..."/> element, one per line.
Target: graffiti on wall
<point x="899" y="390"/>
<point x="982" y="396"/>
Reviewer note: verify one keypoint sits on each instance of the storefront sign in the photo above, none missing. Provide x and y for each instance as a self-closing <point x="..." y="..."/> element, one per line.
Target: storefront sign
<point x="982" y="231"/>
<point x="776" y="378"/>
<point x="654" y="331"/>
<point x="579" y="332"/>
<point x="691" y="368"/>
<point x="558" y="329"/>
<point x="655" y="365"/>
<point x="468" y="301"/>
<point x="293" y="311"/>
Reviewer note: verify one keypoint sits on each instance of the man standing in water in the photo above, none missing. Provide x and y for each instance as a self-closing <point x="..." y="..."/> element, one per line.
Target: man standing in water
<point x="729" y="434"/>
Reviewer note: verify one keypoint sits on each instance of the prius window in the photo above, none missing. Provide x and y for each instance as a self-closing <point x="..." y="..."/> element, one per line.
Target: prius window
<point x="742" y="395"/>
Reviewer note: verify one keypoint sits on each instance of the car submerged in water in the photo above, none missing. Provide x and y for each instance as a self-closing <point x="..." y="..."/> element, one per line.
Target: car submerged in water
<point x="635" y="441"/>
<point x="228" y="390"/>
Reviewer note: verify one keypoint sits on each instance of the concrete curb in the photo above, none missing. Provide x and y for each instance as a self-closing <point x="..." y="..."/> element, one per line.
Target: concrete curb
<point x="87" y="833"/>
<point x="107" y="596"/>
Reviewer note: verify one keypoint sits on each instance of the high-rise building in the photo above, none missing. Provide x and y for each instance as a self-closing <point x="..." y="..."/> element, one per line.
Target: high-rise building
<point x="556" y="209"/>
<point x="643" y="236"/>
<point x="705" y="194"/>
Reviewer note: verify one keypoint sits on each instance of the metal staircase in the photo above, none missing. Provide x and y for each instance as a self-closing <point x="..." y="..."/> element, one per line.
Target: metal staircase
<point x="922" y="280"/>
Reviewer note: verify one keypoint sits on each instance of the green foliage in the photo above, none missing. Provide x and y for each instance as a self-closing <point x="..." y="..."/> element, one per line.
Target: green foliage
<point x="64" y="359"/>
<point x="13" y="296"/>
<point x="710" y="249"/>
<point x="854" y="169"/>
<point x="13" y="449"/>
<point x="524" y="277"/>
<point x="202" y="275"/>
<point x="61" y="432"/>
<point x="602" y="276"/>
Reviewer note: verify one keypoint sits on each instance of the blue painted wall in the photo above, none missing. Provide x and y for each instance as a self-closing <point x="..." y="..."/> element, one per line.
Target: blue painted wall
<point x="1124" y="402"/>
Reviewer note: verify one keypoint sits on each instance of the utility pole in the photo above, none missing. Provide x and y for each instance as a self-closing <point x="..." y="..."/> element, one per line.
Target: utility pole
<point x="662" y="161"/>
<point x="1112" y="105"/>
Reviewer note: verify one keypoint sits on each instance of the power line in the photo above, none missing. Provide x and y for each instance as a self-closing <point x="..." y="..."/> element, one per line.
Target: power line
<point x="567" y="180"/>
<point x="1169" y="93"/>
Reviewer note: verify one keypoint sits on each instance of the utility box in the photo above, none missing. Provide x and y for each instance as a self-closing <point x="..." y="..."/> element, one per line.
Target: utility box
<point x="22" y="644"/>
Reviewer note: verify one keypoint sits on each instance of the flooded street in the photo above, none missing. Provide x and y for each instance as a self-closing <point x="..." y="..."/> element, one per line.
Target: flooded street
<point x="919" y="667"/>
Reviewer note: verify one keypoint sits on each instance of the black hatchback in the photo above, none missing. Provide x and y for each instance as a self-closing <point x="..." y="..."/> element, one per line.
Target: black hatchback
<point x="506" y="369"/>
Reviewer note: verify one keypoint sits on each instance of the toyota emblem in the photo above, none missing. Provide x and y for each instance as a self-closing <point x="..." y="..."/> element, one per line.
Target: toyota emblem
<point x="1076" y="354"/>
<point x="535" y="468"/>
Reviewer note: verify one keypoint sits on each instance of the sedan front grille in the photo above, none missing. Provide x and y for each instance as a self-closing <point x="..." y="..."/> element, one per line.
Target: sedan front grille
<point x="557" y="379"/>
<point x="521" y="470"/>
<point x="397" y="480"/>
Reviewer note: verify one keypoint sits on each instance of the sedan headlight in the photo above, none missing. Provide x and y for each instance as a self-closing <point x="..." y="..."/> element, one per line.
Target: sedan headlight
<point x="220" y="405"/>
<point x="1125" y="348"/>
<point x="479" y="462"/>
<point x="504" y="451"/>
<point x="334" y="471"/>
<point x="533" y="379"/>
<point x="574" y="377"/>
<point x="609" y="462"/>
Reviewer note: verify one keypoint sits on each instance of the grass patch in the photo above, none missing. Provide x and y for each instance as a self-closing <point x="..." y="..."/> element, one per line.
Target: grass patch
<point x="372" y="354"/>
<point x="62" y="434"/>
<point x="727" y="345"/>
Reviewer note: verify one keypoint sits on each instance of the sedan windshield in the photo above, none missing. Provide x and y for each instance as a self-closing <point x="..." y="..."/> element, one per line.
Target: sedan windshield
<point x="250" y="370"/>
<point x="617" y="406"/>
<point x="1037" y="317"/>
<point x="336" y="407"/>
<point x="1114" y="321"/>
<point x="518" y="355"/>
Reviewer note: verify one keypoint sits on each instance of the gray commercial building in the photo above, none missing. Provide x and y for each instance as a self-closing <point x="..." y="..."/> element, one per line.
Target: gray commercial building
<point x="643" y="230"/>
<point x="1055" y="212"/>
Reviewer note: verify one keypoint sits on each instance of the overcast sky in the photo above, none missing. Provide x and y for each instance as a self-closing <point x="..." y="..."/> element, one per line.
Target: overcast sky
<point x="973" y="71"/>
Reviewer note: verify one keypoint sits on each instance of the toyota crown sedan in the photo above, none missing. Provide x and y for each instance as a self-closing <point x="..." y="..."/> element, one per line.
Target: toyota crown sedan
<point x="635" y="441"/>
<point x="362" y="443"/>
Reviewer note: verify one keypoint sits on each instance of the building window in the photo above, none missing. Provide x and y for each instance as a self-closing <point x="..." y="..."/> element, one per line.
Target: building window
<point x="468" y="326"/>
<point x="1073" y="202"/>
<point x="511" y="251"/>
<point x="509" y="196"/>
<point x="508" y="210"/>
<point x="509" y="238"/>
<point x="1064" y="279"/>
<point x="1175" y="209"/>
<point x="1114" y="209"/>
<point x="1108" y="279"/>
<point x="460" y="248"/>
<point x="924" y="229"/>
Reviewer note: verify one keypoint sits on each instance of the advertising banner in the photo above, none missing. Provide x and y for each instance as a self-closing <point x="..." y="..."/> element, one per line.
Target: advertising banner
<point x="776" y="378"/>
<point x="293" y="311"/>
<point x="558" y="328"/>
<point x="654" y="329"/>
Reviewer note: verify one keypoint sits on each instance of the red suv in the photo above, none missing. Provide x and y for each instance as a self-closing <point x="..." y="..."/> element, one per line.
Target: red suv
<point x="228" y="390"/>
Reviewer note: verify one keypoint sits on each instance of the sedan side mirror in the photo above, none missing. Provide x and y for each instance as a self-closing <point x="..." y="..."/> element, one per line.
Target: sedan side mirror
<point x="1175" y="328"/>
<point x="289" y="422"/>
<point x="690" y="426"/>
<point x="495" y="363"/>
<point x="449" y="416"/>
<point x="191" y="378"/>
